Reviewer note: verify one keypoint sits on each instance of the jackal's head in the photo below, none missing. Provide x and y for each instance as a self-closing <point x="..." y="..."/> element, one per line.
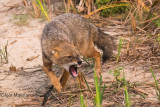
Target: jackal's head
<point x="67" y="56"/>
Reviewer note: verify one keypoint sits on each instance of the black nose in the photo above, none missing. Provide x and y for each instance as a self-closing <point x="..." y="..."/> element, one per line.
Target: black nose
<point x="79" y="62"/>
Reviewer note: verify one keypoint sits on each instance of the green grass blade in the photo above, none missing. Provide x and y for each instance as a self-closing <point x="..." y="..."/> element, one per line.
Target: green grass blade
<point x="42" y="9"/>
<point x="102" y="93"/>
<point x="82" y="100"/>
<point x="119" y="50"/>
<point x="44" y="4"/>
<point x="100" y="83"/>
<point x="112" y="92"/>
<point x="86" y="102"/>
<point x="70" y="101"/>
<point x="40" y="6"/>
<point x="155" y="81"/>
<point x="127" y="98"/>
<point x="36" y="5"/>
<point x="97" y="98"/>
<point x="86" y="83"/>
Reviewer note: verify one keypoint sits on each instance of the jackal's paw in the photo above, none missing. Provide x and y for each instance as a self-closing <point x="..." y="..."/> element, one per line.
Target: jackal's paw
<point x="58" y="88"/>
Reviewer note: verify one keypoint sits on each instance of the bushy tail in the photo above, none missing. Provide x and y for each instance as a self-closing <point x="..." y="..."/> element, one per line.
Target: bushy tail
<point x="106" y="44"/>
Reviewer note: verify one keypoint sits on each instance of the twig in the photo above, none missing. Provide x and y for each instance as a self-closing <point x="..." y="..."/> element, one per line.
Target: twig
<point x="141" y="29"/>
<point x="10" y="8"/>
<point x="141" y="91"/>
<point x="57" y="98"/>
<point x="149" y="20"/>
<point x="12" y="42"/>
<point x="33" y="69"/>
<point x="4" y="78"/>
<point x="77" y="91"/>
<point x="147" y="24"/>
<point x="27" y="103"/>
<point x="155" y="30"/>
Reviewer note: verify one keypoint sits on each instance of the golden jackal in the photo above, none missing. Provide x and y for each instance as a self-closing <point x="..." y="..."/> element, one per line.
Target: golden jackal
<point x="65" y="39"/>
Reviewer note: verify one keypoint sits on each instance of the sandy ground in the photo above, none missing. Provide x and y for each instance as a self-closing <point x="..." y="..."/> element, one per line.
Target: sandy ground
<point x="23" y="43"/>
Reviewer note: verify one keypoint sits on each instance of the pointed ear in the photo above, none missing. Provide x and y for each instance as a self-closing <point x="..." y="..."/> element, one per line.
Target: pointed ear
<point x="53" y="51"/>
<point x="56" y="51"/>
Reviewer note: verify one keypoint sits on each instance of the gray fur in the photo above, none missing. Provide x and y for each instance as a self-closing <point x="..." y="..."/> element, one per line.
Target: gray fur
<point x="77" y="31"/>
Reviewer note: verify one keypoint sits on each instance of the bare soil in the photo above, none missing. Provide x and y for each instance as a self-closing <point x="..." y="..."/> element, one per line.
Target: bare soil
<point x="22" y="79"/>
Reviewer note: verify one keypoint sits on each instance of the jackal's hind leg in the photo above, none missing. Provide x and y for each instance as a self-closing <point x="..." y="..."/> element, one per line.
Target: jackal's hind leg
<point x="93" y="53"/>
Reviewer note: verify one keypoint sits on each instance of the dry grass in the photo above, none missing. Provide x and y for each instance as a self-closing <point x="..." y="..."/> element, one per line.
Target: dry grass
<point x="4" y="53"/>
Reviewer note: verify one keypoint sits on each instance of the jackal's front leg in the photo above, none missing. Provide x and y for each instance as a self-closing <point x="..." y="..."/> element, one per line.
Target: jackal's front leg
<point x="97" y="57"/>
<point x="64" y="78"/>
<point x="47" y="67"/>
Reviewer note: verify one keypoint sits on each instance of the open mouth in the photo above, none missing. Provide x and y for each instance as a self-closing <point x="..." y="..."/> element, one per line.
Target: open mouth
<point x="73" y="70"/>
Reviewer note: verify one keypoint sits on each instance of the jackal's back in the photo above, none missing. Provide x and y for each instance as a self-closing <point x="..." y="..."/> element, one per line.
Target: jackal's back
<point x="75" y="30"/>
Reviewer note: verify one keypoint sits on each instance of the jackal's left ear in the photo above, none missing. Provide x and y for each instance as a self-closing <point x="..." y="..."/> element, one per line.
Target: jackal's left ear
<point x="56" y="52"/>
<point x="53" y="51"/>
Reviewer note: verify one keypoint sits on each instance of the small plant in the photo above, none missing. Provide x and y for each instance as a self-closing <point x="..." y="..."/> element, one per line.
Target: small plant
<point x="99" y="92"/>
<point x="20" y="19"/>
<point x="82" y="100"/>
<point x="4" y="53"/>
<point x="119" y="49"/>
<point x="158" y="93"/>
<point x="98" y="98"/>
<point x="118" y="7"/>
<point x="81" y="96"/>
<point x="127" y="97"/>
<point x="88" y="61"/>
<point x="116" y="73"/>
<point x="42" y="7"/>
<point x="87" y="84"/>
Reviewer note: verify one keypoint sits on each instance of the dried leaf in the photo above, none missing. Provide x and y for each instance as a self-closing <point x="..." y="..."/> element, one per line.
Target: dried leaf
<point x="12" y="68"/>
<point x="133" y="23"/>
<point x="32" y="58"/>
<point x="13" y="42"/>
